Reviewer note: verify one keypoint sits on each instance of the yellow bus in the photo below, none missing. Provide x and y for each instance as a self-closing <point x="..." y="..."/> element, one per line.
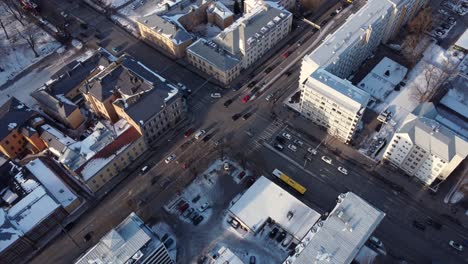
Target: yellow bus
<point x="296" y="186"/>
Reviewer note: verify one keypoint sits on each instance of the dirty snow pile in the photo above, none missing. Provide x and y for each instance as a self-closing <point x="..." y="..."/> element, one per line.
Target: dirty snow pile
<point x="16" y="54"/>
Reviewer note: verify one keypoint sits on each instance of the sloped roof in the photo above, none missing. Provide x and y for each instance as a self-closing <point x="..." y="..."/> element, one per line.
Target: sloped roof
<point x="13" y="114"/>
<point x="213" y="54"/>
<point x="61" y="107"/>
<point x="165" y="28"/>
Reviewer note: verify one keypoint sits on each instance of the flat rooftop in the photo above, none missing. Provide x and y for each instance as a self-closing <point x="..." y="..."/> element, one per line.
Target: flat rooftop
<point x="333" y="86"/>
<point x="351" y="31"/>
<point x="383" y="78"/>
<point x="339" y="238"/>
<point x="462" y="41"/>
<point x="266" y="199"/>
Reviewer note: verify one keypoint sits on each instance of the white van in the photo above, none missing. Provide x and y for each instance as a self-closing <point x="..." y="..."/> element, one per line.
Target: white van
<point x="199" y="134"/>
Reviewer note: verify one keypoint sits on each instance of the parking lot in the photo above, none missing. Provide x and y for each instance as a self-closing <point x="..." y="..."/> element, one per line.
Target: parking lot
<point x="446" y="16"/>
<point x="199" y="212"/>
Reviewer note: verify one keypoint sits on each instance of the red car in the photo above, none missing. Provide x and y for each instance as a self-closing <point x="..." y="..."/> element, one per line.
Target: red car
<point x="245" y="99"/>
<point x="286" y="54"/>
<point x="188" y="133"/>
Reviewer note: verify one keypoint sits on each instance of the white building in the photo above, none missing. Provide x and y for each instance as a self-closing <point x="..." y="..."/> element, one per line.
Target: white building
<point x="263" y="200"/>
<point x="340" y="237"/>
<point x="339" y="56"/>
<point x="402" y="13"/>
<point x="425" y="149"/>
<point x="333" y="103"/>
<point x="130" y="242"/>
<point x="223" y="256"/>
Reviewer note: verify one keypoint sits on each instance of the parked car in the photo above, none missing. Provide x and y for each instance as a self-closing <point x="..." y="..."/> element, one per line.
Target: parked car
<point x="287" y="240"/>
<point x="207" y="137"/>
<point x="215" y="95"/>
<point x="170" y="158"/>
<point x="327" y="159"/>
<point x="227" y="103"/>
<point x="343" y="170"/>
<point x="198" y="220"/>
<point x="203" y="207"/>
<point x="455" y="245"/>
<point x="280" y="139"/>
<point x="252" y="84"/>
<point x="286" y="135"/>
<point x="245" y="99"/>
<point x="286" y="54"/>
<point x="375" y="241"/>
<point x="292" y="147"/>
<point x="281" y="237"/>
<point x="236" y="116"/>
<point x="339" y="9"/>
<point x="234" y="223"/>
<point x="268" y="97"/>
<point x="298" y="142"/>
<point x="226" y="166"/>
<point x="273" y="233"/>
<point x="312" y="151"/>
<point x="246" y="116"/>
<point x="268" y="70"/>
<point x="188" y="212"/>
<point x="252" y="260"/>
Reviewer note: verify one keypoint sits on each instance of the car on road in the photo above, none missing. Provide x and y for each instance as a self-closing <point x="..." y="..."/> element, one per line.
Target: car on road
<point x="236" y="116"/>
<point x="327" y="159"/>
<point x="252" y="84"/>
<point x="203" y="207"/>
<point x="268" y="97"/>
<point x="332" y="14"/>
<point x="279" y="147"/>
<point x="170" y="158"/>
<point x="456" y="245"/>
<point x="419" y="225"/>
<point x="246" y="116"/>
<point x="312" y="151"/>
<point x="292" y="147"/>
<point x="343" y="170"/>
<point x="215" y="95"/>
<point x="339" y="9"/>
<point x="273" y="233"/>
<point x="298" y="142"/>
<point x="189" y="132"/>
<point x="88" y="236"/>
<point x="207" y="137"/>
<point x="286" y="136"/>
<point x="268" y="70"/>
<point x="245" y="99"/>
<point x="375" y="241"/>
<point x="285" y="55"/>
<point x="227" y="102"/>
<point x="200" y="133"/>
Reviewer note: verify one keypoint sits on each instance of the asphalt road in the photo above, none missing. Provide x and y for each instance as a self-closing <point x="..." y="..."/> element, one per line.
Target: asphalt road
<point x="156" y="186"/>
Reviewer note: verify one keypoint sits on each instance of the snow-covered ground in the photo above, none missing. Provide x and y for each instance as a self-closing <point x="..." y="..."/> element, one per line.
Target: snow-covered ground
<point x="16" y="54"/>
<point x="207" y="31"/>
<point x="23" y="87"/>
<point x="403" y="102"/>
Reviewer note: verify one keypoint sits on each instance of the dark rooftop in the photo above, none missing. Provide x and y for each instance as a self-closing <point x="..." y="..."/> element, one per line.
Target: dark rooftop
<point x="13" y="114"/>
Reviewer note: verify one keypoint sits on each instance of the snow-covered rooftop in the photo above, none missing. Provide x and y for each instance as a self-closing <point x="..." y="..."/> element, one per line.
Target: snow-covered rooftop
<point x="225" y="255"/>
<point x="123" y="242"/>
<point x="350" y="32"/>
<point x="51" y="181"/>
<point x="8" y="232"/>
<point x="381" y="81"/>
<point x="32" y="209"/>
<point x="462" y="41"/>
<point x="456" y="98"/>
<point x="340" y="90"/>
<point x="266" y="199"/>
<point x="339" y="238"/>
<point x="220" y="9"/>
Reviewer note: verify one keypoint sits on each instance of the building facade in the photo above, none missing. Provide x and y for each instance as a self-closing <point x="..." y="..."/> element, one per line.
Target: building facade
<point x="401" y="14"/>
<point x="241" y="44"/>
<point x="333" y="103"/>
<point x="250" y="5"/>
<point x="426" y="150"/>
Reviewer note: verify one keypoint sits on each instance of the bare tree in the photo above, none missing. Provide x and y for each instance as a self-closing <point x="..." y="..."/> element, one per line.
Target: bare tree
<point x="434" y="77"/>
<point x="11" y="8"/>
<point x="28" y="35"/>
<point x="4" y="29"/>
<point x="408" y="48"/>
<point x="421" y="22"/>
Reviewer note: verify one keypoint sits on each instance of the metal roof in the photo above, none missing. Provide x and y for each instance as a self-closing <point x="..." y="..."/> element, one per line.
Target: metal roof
<point x="213" y="54"/>
<point x="264" y="199"/>
<point x="339" y="238"/>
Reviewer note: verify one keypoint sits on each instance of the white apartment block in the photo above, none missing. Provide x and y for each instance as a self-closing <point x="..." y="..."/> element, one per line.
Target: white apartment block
<point x="425" y="149"/>
<point x="247" y="39"/>
<point x="333" y="103"/>
<point x="402" y="13"/>
<point x="250" y="5"/>
<point x="339" y="56"/>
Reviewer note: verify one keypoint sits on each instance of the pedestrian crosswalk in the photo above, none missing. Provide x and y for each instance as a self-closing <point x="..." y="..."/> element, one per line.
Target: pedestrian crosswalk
<point x="267" y="134"/>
